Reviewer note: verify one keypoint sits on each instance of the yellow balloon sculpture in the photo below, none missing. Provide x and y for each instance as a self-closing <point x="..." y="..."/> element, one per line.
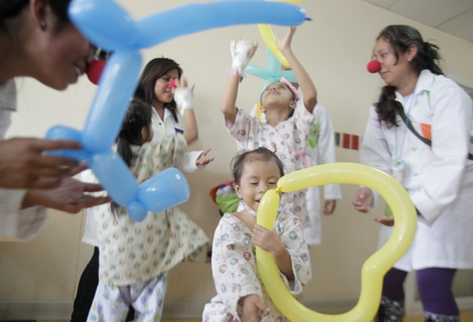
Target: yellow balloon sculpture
<point x="269" y="39"/>
<point x="376" y="265"/>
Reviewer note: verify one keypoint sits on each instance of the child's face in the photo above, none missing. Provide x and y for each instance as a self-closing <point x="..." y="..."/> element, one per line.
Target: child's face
<point x="258" y="176"/>
<point x="163" y="89"/>
<point x="277" y="94"/>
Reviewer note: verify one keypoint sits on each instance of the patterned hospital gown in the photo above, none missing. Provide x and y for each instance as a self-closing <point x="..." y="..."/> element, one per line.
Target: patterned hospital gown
<point x="288" y="140"/>
<point x="135" y="252"/>
<point x="234" y="266"/>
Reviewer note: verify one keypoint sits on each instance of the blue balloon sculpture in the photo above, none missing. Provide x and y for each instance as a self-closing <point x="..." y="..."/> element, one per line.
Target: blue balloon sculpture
<point x="273" y="72"/>
<point x="110" y="27"/>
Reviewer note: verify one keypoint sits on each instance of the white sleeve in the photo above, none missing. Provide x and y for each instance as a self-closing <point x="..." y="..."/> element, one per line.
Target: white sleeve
<point x="326" y="151"/>
<point x="374" y="149"/>
<point x="15" y="223"/>
<point x="441" y="178"/>
<point x="188" y="163"/>
<point x="90" y="227"/>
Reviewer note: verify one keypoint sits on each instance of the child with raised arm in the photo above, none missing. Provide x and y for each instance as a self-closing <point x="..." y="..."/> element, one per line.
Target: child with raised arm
<point x="288" y="119"/>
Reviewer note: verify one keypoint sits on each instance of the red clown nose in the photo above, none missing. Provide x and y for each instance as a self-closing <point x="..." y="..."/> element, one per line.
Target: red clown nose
<point x="95" y="69"/>
<point x="172" y="83"/>
<point x="373" y="66"/>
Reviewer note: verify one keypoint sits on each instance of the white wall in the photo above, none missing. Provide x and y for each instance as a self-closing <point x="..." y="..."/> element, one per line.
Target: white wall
<point x="334" y="47"/>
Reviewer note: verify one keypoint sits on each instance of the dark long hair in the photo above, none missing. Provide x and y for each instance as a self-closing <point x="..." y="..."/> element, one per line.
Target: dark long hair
<point x="137" y="117"/>
<point x="402" y="38"/>
<point x="260" y="153"/>
<point x="155" y="69"/>
<point x="12" y="8"/>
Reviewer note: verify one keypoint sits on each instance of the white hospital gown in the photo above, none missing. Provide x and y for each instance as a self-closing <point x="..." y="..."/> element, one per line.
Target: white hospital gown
<point x="287" y="139"/>
<point x="234" y="266"/>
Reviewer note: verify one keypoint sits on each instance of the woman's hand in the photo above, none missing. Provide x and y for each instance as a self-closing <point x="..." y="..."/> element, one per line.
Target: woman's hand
<point x="183" y="95"/>
<point x="70" y="196"/>
<point x="24" y="163"/>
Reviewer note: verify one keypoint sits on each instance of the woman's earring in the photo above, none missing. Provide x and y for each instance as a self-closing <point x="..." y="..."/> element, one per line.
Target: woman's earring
<point x="43" y="25"/>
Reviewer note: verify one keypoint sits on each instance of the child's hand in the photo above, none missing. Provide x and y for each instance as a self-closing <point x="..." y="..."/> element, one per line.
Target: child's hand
<point x="252" y="308"/>
<point x="183" y="95"/>
<point x="364" y="200"/>
<point x="242" y="51"/>
<point x="204" y="159"/>
<point x="267" y="240"/>
<point x="286" y="43"/>
<point x="329" y="207"/>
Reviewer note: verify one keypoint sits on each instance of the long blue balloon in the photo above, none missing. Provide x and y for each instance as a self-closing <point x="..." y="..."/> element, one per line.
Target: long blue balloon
<point x="199" y="17"/>
<point x="110" y="27"/>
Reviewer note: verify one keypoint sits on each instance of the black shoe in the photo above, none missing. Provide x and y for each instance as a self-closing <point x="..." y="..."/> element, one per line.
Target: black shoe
<point x="390" y="311"/>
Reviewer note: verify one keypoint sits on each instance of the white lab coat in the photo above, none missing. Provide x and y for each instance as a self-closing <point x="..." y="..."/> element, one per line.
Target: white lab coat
<point x="15" y="224"/>
<point x="323" y="152"/>
<point x="439" y="179"/>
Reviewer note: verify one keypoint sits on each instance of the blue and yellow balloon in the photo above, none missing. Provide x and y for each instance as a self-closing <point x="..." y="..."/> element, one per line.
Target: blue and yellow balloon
<point x="110" y="27"/>
<point x="374" y="268"/>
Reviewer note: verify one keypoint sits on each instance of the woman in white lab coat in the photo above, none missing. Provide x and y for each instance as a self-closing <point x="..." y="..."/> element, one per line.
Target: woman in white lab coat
<point x="439" y="177"/>
<point x="37" y="40"/>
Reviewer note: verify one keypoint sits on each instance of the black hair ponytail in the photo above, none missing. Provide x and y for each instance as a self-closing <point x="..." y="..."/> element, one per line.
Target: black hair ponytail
<point x="138" y="117"/>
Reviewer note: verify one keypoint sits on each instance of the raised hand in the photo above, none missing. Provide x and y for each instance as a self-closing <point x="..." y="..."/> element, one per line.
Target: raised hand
<point x="183" y="95"/>
<point x="242" y="51"/>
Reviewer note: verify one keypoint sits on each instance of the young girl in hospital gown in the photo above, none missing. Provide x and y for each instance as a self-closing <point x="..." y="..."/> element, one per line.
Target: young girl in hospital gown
<point x="240" y="293"/>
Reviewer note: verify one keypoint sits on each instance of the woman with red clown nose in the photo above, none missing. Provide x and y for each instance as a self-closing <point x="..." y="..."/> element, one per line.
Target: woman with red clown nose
<point x="419" y="132"/>
<point x="37" y="40"/>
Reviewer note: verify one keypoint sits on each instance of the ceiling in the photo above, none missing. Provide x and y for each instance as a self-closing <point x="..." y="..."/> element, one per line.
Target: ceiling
<point x="452" y="16"/>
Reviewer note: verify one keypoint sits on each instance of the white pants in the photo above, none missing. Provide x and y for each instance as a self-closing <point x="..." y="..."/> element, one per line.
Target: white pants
<point x="112" y="303"/>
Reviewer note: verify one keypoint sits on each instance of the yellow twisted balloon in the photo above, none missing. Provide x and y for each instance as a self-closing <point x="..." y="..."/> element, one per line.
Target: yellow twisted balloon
<point x="376" y="265"/>
<point x="269" y="39"/>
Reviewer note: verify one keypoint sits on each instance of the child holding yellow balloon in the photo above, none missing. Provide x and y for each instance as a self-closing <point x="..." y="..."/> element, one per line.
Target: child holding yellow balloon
<point x="240" y="295"/>
<point x="288" y="118"/>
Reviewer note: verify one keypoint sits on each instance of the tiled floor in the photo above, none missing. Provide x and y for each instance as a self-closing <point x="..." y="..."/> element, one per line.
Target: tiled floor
<point x="465" y="317"/>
